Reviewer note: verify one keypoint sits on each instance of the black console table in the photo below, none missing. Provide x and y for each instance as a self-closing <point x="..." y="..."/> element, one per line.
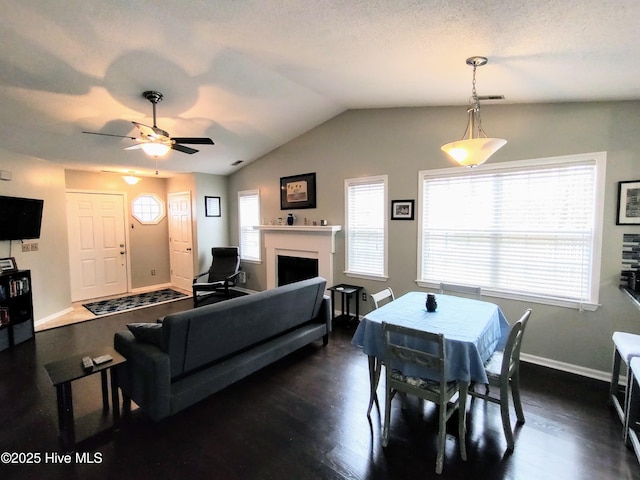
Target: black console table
<point x="346" y="291"/>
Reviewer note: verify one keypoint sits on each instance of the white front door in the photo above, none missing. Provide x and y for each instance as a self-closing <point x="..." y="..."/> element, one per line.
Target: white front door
<point x="97" y="247"/>
<point x="180" y="240"/>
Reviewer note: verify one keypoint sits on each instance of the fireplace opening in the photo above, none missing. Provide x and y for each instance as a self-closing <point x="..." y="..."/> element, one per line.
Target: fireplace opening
<point x="295" y="269"/>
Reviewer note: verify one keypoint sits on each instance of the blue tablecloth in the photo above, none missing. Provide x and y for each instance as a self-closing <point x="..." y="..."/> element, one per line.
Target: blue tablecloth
<point x="472" y="329"/>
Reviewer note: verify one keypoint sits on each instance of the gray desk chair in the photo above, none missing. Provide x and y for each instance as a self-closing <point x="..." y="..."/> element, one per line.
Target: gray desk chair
<point x="466" y="289"/>
<point x="503" y="371"/>
<point x="383" y="296"/>
<point x="440" y="392"/>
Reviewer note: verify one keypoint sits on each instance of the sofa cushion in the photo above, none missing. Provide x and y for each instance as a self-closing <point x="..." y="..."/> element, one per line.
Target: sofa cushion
<point x="147" y="332"/>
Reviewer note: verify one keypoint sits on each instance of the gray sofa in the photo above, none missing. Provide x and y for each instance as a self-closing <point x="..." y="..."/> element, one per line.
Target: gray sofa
<point x="188" y="356"/>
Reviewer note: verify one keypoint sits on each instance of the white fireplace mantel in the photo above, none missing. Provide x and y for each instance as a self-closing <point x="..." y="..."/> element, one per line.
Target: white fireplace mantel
<point x="305" y="241"/>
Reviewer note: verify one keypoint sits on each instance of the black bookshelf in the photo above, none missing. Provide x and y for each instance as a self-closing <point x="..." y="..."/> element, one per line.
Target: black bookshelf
<point x="16" y="308"/>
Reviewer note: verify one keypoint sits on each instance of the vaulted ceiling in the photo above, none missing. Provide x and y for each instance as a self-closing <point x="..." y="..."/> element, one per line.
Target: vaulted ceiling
<point x="253" y="75"/>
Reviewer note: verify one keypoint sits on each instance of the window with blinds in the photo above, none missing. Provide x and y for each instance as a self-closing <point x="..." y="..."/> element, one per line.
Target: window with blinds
<point x="366" y="226"/>
<point x="249" y="216"/>
<point x="520" y="229"/>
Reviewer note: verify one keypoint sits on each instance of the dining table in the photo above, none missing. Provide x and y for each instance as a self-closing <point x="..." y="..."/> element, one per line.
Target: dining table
<point x="472" y="329"/>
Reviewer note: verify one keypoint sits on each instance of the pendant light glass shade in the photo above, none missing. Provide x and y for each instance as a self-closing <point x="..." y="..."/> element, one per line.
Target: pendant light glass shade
<point x="473" y="151"/>
<point x="130" y="179"/>
<point x="476" y="148"/>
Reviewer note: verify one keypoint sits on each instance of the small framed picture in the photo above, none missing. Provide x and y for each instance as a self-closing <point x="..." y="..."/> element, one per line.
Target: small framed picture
<point x="628" y="203"/>
<point x="8" y="264"/>
<point x="212" y="207"/>
<point x="402" y="209"/>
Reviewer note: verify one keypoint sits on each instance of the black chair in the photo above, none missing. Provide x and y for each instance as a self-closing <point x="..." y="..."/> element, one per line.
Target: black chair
<point x="222" y="274"/>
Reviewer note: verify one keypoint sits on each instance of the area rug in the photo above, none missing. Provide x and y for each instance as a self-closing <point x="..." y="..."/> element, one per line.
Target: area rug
<point x="130" y="302"/>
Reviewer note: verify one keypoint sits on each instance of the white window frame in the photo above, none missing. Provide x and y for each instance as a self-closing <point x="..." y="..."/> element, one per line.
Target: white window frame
<point x="248" y="229"/>
<point x="142" y="211"/>
<point x="599" y="161"/>
<point x="348" y="183"/>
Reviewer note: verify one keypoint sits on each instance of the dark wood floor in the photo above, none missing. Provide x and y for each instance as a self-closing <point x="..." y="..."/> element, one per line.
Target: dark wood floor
<point x="302" y="418"/>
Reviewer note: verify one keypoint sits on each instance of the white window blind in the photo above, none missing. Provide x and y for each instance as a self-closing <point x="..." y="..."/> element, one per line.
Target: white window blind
<point x="249" y="216"/>
<point x="529" y="230"/>
<point x="366" y="219"/>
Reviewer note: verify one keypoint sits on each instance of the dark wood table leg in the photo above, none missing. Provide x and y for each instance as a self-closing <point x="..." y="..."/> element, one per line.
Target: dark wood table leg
<point x="105" y="391"/>
<point x="65" y="415"/>
<point x="115" y="398"/>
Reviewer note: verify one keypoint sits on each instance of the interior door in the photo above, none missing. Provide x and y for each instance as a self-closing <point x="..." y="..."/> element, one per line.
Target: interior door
<point x="180" y="240"/>
<point x="97" y="247"/>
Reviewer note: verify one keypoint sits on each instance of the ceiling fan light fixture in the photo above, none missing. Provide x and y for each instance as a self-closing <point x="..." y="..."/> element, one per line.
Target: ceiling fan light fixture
<point x="155" y="149"/>
<point x="477" y="147"/>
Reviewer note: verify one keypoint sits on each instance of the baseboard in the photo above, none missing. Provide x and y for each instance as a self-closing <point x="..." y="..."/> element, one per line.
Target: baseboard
<point x="566" y="367"/>
<point x="150" y="288"/>
<point x="52" y="317"/>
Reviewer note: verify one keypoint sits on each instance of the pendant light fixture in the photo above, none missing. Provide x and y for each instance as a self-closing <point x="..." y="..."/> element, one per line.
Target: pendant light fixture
<point x="131" y="179"/>
<point x="477" y="147"/>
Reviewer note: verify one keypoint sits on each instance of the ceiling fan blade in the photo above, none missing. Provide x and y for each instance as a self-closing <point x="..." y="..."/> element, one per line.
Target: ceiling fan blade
<point x="193" y="140"/>
<point x="134" y="147"/>
<point x="110" y="135"/>
<point x="183" y="149"/>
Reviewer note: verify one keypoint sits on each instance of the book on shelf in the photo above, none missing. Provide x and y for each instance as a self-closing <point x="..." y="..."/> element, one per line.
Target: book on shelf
<point x="18" y="286"/>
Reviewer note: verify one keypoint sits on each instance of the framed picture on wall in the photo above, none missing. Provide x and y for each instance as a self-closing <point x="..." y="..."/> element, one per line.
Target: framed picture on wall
<point x="628" y="203"/>
<point x="402" y="209"/>
<point x="8" y="264"/>
<point x="212" y="207"/>
<point x="298" y="191"/>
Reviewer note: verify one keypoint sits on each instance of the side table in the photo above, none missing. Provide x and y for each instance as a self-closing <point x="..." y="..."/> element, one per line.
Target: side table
<point x="65" y="371"/>
<point x="346" y="291"/>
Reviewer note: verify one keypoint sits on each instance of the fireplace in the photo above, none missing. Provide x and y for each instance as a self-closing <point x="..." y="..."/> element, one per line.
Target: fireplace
<point x="295" y="269"/>
<point x="307" y="242"/>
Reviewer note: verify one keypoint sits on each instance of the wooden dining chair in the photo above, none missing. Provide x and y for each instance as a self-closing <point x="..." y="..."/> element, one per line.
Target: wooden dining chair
<point x="466" y="289"/>
<point x="385" y="296"/>
<point x="503" y="372"/>
<point x="440" y="391"/>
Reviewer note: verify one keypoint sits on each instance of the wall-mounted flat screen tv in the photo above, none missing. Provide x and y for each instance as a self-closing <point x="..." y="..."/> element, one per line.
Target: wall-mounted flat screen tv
<point x="20" y="218"/>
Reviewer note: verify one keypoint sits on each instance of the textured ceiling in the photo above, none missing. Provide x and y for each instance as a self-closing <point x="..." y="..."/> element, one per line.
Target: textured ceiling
<point x="252" y="75"/>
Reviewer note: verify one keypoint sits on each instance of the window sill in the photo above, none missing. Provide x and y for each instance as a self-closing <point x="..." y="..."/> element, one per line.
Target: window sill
<point x="377" y="278"/>
<point x="246" y="260"/>
<point x="556" y="302"/>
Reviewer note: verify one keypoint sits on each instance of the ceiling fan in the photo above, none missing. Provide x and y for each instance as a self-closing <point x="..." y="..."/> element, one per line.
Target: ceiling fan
<point x="155" y="141"/>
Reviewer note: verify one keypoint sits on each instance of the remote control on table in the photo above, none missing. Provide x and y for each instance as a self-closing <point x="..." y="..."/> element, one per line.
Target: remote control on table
<point x="102" y="359"/>
<point x="87" y="363"/>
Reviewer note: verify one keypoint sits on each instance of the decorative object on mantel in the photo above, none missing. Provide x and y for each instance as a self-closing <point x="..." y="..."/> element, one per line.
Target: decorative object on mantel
<point x="628" y="203"/>
<point x="212" y="207"/>
<point x="477" y="148"/>
<point x="298" y="191"/>
<point x="402" y="209"/>
<point x="290" y="219"/>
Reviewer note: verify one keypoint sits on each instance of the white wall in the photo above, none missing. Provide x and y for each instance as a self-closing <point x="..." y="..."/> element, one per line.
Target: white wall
<point x="400" y="142"/>
<point x="49" y="265"/>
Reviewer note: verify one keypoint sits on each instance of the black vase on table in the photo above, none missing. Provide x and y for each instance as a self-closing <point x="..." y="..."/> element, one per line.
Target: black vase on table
<point x="431" y="305"/>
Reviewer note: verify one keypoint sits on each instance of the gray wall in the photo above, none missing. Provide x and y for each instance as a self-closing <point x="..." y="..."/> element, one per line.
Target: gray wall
<point x="400" y="142"/>
<point x="49" y="265"/>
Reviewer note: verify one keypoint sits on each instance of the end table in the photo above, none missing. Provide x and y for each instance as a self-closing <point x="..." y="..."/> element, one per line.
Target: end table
<point x="65" y="371"/>
<point x="346" y="292"/>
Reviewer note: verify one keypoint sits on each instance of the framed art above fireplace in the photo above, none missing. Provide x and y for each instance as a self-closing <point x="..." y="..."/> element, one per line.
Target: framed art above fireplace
<point x="298" y="191"/>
